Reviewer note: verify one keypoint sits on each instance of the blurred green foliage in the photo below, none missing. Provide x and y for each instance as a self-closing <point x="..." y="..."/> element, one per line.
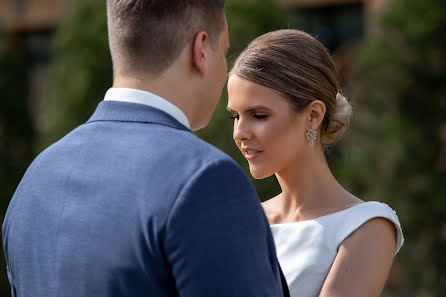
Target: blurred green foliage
<point x="81" y="71"/>
<point x="16" y="130"/>
<point x="395" y="150"/>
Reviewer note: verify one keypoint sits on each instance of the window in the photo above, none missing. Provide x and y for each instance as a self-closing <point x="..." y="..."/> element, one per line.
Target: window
<point x="334" y="25"/>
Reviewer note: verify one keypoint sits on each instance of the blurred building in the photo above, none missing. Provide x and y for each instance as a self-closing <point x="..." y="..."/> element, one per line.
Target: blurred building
<point x="29" y="25"/>
<point x="334" y="22"/>
<point x="23" y="15"/>
<point x="32" y="21"/>
<point x="338" y="24"/>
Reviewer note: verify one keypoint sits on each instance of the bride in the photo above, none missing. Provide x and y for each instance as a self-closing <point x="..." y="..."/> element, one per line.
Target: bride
<point x="285" y="101"/>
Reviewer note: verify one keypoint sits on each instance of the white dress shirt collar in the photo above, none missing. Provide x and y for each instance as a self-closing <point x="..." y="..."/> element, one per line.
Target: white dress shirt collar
<point x="146" y="98"/>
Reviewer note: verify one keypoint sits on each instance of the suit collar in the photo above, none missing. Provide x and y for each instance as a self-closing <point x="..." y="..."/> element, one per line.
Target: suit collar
<point x="147" y="98"/>
<point x="133" y="112"/>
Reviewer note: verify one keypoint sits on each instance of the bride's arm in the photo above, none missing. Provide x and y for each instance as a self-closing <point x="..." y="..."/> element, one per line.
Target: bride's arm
<point x="363" y="261"/>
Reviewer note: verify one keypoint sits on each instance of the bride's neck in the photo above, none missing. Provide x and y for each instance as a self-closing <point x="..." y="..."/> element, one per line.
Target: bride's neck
<point x="306" y="186"/>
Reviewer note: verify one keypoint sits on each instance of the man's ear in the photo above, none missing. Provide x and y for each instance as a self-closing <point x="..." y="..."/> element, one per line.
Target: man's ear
<point x="316" y="113"/>
<point x="199" y="46"/>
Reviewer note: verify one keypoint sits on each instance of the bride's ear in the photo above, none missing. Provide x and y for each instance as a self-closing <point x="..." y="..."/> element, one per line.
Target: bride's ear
<point x="316" y="112"/>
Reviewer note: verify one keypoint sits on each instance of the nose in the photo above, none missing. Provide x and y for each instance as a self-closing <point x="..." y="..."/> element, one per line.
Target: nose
<point x="241" y="131"/>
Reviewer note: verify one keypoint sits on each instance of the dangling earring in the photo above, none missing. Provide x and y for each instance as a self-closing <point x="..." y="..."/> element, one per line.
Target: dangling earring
<point x="311" y="136"/>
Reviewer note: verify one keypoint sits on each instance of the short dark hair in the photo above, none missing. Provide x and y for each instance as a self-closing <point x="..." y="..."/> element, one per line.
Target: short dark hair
<point x="148" y="35"/>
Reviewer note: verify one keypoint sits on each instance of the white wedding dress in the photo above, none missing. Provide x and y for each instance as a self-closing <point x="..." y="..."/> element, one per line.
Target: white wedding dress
<point x="306" y="250"/>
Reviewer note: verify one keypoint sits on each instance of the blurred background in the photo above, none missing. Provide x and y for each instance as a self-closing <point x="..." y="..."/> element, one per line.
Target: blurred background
<point x="55" y="67"/>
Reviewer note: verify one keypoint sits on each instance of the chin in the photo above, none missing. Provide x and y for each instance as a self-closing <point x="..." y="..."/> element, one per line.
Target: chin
<point x="259" y="174"/>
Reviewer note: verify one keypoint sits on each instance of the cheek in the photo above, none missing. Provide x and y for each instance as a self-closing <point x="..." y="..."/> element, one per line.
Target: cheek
<point x="238" y="144"/>
<point x="275" y="132"/>
<point x="224" y="71"/>
<point x="225" y="65"/>
<point x="283" y="138"/>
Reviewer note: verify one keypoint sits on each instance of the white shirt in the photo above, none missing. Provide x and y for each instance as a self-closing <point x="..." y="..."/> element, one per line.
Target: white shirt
<point x="146" y="98"/>
<point x="306" y="250"/>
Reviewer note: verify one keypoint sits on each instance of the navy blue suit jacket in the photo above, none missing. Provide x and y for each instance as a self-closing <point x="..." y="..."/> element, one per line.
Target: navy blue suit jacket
<point x="132" y="203"/>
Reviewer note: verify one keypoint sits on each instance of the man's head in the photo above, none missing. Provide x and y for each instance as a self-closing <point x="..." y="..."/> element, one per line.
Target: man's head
<point x="146" y="36"/>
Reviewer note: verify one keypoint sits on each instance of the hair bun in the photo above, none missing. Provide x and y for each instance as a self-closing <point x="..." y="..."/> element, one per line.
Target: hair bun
<point x="339" y="121"/>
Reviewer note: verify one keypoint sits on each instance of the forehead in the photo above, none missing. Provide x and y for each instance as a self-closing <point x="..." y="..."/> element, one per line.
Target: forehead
<point x="243" y="93"/>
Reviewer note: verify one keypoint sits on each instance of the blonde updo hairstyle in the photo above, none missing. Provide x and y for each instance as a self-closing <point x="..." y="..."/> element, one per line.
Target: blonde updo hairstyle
<point x="297" y="65"/>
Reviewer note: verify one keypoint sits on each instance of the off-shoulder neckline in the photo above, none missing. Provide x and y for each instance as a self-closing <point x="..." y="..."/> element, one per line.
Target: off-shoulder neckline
<point x="330" y="214"/>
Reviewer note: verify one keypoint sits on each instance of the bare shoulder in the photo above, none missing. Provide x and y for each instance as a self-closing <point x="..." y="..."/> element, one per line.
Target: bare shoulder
<point x="363" y="261"/>
<point x="377" y="231"/>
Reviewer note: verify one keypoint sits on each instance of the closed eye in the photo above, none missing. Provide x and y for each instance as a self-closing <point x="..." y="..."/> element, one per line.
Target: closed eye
<point x="260" y="116"/>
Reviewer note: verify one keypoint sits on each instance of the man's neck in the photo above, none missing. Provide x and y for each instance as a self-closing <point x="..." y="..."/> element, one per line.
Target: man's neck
<point x="175" y="93"/>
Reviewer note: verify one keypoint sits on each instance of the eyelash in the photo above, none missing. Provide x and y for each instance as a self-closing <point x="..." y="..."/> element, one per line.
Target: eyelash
<point x="256" y="116"/>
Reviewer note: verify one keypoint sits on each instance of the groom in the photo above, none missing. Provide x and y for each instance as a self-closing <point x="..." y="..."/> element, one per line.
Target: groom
<point x="131" y="203"/>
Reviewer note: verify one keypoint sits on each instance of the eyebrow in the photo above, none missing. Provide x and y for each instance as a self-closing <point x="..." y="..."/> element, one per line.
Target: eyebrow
<point x="251" y="108"/>
<point x="230" y="110"/>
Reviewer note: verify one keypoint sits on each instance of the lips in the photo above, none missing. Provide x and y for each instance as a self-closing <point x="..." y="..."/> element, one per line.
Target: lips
<point x="250" y="153"/>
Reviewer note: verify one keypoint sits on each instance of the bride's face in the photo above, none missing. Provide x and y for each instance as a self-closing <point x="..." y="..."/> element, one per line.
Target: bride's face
<point x="267" y="130"/>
